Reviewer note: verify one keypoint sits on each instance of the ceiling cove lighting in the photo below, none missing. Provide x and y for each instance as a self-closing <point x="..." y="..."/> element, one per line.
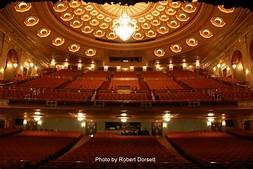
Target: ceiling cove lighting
<point x="124" y="27"/>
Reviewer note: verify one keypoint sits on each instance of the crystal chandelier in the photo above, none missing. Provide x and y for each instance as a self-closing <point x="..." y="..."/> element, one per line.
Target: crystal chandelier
<point x="124" y="27"/>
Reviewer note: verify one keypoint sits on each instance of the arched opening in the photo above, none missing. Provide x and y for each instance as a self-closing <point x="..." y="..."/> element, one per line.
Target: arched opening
<point x="11" y="65"/>
<point x="237" y="65"/>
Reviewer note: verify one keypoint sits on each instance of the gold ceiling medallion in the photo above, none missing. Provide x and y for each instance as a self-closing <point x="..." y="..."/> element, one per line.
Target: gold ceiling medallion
<point x="99" y="34"/>
<point x="170" y="11"/>
<point x="225" y="10"/>
<point x="58" y="41"/>
<point x="163" y="2"/>
<point x="163" y="30"/>
<point x="160" y="8"/>
<point x="94" y="22"/>
<point x="206" y="33"/>
<point x="90" y="52"/>
<point x="155" y="22"/>
<point x="175" y="4"/>
<point x="149" y="17"/>
<point x="111" y="36"/>
<point x="189" y="8"/>
<point x="44" y="32"/>
<point x="155" y="13"/>
<point x="103" y="26"/>
<point x="164" y="18"/>
<point x="142" y="19"/>
<point x="108" y="19"/>
<point x="86" y="29"/>
<point x="85" y="17"/>
<point x="74" y="48"/>
<point x="61" y="6"/>
<point x="23" y="7"/>
<point x="100" y="16"/>
<point x="146" y="26"/>
<point x="74" y="3"/>
<point x="182" y="17"/>
<point x="218" y="22"/>
<point x="31" y="21"/>
<point x="173" y="24"/>
<point x="89" y="8"/>
<point x="138" y="36"/>
<point x="94" y="13"/>
<point x="76" y="24"/>
<point x="159" y="52"/>
<point x="150" y="34"/>
<point x="79" y="11"/>
<point x="175" y="48"/>
<point x="191" y="42"/>
<point x="67" y="16"/>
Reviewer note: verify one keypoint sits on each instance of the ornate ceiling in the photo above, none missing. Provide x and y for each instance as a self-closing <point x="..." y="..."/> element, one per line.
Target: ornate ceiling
<point x="164" y="30"/>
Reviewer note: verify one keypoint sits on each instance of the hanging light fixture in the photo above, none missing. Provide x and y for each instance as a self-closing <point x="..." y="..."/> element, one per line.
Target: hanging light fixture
<point x="124" y="27"/>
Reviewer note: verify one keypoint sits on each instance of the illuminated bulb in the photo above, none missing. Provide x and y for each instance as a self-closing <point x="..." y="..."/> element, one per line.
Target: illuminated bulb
<point x="210" y="114"/>
<point x="53" y="62"/>
<point x="92" y="66"/>
<point x="197" y="63"/>
<point x="123" y="119"/>
<point x="218" y="65"/>
<point x="79" y="66"/>
<point x="66" y="65"/>
<point x="37" y="118"/>
<point x="165" y="125"/>
<point x="184" y="65"/>
<point x="39" y="122"/>
<point x="209" y="123"/>
<point x="131" y="68"/>
<point x="144" y="68"/>
<point x="15" y="65"/>
<point x="118" y="68"/>
<point x="214" y="69"/>
<point x="123" y="114"/>
<point x="25" y="122"/>
<point x="80" y="117"/>
<point x="171" y="66"/>
<point x="2" y="70"/>
<point x="37" y="113"/>
<point x="167" y="117"/>
<point x="247" y="71"/>
<point x="83" y="124"/>
<point x="31" y="64"/>
<point x="105" y="68"/>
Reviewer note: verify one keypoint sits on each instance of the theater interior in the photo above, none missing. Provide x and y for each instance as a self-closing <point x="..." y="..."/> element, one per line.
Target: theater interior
<point x="112" y="85"/>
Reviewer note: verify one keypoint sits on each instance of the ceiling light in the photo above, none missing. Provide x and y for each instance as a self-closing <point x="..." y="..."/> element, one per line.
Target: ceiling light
<point x="124" y="27"/>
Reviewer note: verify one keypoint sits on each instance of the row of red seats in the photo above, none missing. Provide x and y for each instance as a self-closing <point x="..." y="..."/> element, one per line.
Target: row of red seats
<point x="124" y="75"/>
<point x="214" y="147"/>
<point x="131" y="84"/>
<point x="88" y="84"/>
<point x="44" y="82"/>
<point x="182" y="96"/>
<point x="119" y="97"/>
<point x="16" y="150"/>
<point x="168" y="84"/>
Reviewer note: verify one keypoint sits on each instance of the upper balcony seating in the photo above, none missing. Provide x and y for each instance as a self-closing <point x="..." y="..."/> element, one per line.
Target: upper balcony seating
<point x="166" y="84"/>
<point x="214" y="147"/>
<point x="124" y="75"/>
<point x="44" y="82"/>
<point x="109" y="96"/>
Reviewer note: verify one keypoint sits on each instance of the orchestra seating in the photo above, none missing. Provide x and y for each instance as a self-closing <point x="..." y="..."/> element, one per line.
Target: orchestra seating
<point x="84" y="83"/>
<point x="213" y="147"/>
<point x="104" y="145"/>
<point x="168" y="84"/>
<point x="8" y="131"/>
<point x="30" y="148"/>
